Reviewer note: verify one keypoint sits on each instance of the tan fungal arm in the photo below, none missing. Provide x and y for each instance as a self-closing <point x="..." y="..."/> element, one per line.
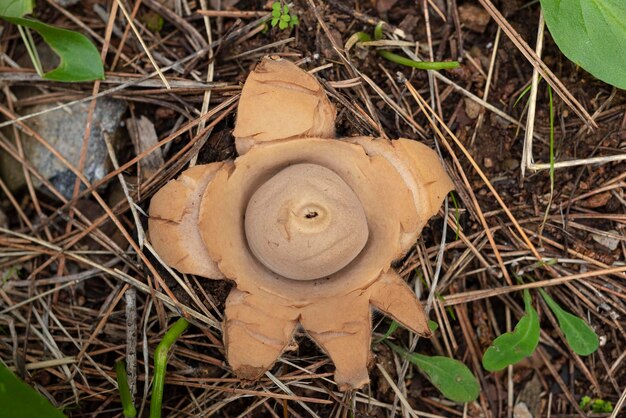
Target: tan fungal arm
<point x="392" y="296"/>
<point x="342" y="327"/>
<point x="281" y="101"/>
<point x="255" y="337"/>
<point x="173" y="222"/>
<point x="427" y="169"/>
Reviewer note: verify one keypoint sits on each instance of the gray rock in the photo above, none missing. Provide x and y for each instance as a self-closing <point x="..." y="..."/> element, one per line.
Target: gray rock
<point x="521" y="411"/>
<point x="610" y="240"/>
<point x="64" y="132"/>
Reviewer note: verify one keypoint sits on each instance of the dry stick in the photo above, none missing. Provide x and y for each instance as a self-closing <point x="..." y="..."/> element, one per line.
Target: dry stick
<point x="122" y="43"/>
<point x="29" y="76"/>
<point x="236" y="14"/>
<point x="141" y="234"/>
<point x="541" y="67"/>
<point x="92" y="226"/>
<point x="209" y="77"/>
<point x="99" y="199"/>
<point x="423" y="105"/>
<point x="399" y="395"/>
<point x="482" y="175"/>
<point x="172" y="303"/>
<point x="527" y="153"/>
<point x="16" y="205"/>
<point x="619" y="405"/>
<point x="27" y="177"/>
<point x="139" y="80"/>
<point x="492" y="65"/>
<point x="557" y="377"/>
<point x="474" y="295"/>
<point x="351" y="69"/>
<point x="87" y="132"/>
<point x="92" y="33"/>
<point x="144" y="46"/>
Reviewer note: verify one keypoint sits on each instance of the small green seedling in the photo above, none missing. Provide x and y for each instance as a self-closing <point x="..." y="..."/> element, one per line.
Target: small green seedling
<point x="128" y="407"/>
<point x="514" y="346"/>
<point x="160" y="365"/>
<point x="580" y="337"/>
<point x="451" y="377"/>
<point x="281" y="16"/>
<point x="360" y="37"/>
<point x="597" y="406"/>
<point x="510" y="348"/>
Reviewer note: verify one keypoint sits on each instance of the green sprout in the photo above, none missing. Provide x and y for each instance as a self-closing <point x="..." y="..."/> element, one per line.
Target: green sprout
<point x="125" y="395"/>
<point x="160" y="365"/>
<point x="281" y="16"/>
<point x="596" y="406"/>
<point x="360" y="37"/>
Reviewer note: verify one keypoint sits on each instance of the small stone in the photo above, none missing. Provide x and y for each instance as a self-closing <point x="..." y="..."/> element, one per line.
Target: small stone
<point x="521" y="411"/>
<point x="472" y="109"/>
<point x="64" y="132"/>
<point x="510" y="164"/>
<point x="473" y="17"/>
<point x="607" y="241"/>
<point x="488" y="162"/>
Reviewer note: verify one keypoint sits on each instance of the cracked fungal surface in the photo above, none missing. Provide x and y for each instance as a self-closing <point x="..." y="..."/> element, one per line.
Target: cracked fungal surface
<point x="306" y="225"/>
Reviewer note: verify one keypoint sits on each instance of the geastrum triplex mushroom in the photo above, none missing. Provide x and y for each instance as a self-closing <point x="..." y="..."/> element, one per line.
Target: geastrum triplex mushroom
<point x="306" y="225"/>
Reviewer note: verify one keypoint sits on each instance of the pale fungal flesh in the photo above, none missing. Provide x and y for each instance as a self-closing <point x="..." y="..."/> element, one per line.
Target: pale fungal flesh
<point x="306" y="226"/>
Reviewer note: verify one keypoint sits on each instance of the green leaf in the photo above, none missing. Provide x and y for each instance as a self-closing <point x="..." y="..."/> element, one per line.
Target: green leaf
<point x="294" y="21"/>
<point x="275" y="21"/>
<point x="276" y="6"/>
<point x="392" y="328"/>
<point x="276" y="13"/>
<point x="591" y="33"/>
<point x="21" y="400"/>
<point x="580" y="337"/>
<point x="286" y="9"/>
<point x="16" y="8"/>
<point x="282" y="24"/>
<point x="453" y="379"/>
<point x="80" y="60"/>
<point x="513" y="346"/>
<point x="432" y="325"/>
<point x="286" y="18"/>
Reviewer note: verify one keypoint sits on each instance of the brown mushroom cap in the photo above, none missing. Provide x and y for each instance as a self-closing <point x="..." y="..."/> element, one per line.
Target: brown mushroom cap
<point x="305" y="223"/>
<point x="281" y="101"/>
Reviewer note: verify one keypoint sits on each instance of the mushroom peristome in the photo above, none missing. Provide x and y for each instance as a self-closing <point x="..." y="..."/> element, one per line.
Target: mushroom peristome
<point x="306" y="225"/>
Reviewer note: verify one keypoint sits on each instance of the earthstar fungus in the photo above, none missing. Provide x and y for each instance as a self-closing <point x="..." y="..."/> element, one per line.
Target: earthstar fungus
<point x="306" y="225"/>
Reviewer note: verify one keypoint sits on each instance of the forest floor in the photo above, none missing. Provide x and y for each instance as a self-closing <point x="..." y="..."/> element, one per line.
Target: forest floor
<point x="76" y="294"/>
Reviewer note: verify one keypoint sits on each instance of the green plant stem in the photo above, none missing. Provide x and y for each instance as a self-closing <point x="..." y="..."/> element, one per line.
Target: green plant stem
<point x="420" y="65"/>
<point x="160" y="365"/>
<point x="125" y="396"/>
<point x="29" y="43"/>
<point x="399" y="59"/>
